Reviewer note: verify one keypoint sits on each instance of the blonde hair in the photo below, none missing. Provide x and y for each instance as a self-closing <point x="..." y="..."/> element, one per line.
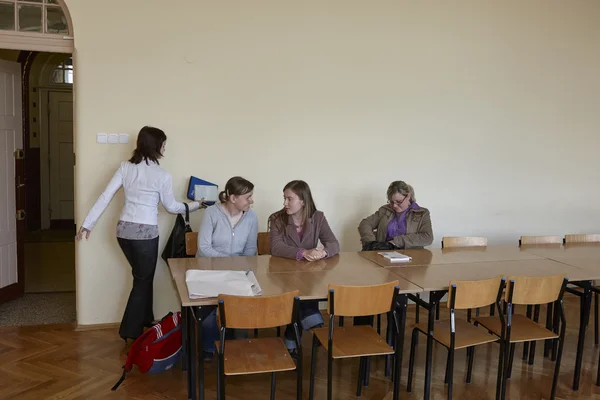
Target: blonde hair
<point x="401" y="187"/>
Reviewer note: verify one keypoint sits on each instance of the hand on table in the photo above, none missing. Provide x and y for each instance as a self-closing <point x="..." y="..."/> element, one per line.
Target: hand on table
<point x="315" y="254"/>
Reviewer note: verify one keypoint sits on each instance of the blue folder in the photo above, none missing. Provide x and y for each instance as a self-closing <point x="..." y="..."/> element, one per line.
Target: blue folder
<point x="197" y="181"/>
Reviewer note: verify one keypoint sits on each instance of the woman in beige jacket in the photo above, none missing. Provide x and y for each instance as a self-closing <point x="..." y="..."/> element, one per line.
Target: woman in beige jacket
<point x="401" y="223"/>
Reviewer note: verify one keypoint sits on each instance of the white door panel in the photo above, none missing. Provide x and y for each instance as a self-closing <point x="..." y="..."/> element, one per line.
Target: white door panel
<point x="11" y="138"/>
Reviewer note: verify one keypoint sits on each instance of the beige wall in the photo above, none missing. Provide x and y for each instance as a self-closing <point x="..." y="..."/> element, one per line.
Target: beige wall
<point x="490" y="111"/>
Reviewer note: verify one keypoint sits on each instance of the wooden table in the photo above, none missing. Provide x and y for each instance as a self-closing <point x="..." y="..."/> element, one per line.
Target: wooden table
<point x="276" y="276"/>
<point x="430" y="270"/>
<point x="455" y="255"/>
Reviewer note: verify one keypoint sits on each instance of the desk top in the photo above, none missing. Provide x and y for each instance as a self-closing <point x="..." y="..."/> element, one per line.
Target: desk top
<point x="279" y="275"/>
<point x="455" y="255"/>
<point x="437" y="277"/>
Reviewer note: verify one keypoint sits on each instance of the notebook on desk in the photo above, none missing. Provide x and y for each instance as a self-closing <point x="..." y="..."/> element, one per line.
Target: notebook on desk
<point x="210" y="283"/>
<point x="394" y="256"/>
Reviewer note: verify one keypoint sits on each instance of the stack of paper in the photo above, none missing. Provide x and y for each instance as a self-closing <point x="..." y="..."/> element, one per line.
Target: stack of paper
<point x="394" y="256"/>
<point x="202" y="284"/>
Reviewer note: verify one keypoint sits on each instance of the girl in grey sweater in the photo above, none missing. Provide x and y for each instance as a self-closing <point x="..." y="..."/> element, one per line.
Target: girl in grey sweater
<point x="228" y="228"/>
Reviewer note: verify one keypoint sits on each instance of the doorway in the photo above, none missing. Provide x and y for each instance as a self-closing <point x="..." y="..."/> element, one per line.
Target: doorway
<point x="48" y="256"/>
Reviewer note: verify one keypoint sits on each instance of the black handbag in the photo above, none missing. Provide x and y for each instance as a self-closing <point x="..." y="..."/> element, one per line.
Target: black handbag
<point x="175" y="247"/>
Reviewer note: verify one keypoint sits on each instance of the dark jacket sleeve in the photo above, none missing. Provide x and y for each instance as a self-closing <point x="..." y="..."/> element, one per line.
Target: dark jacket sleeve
<point x="328" y="239"/>
<point x="422" y="238"/>
<point x="278" y="246"/>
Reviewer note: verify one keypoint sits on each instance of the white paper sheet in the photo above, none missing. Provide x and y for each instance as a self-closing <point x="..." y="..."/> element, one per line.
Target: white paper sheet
<point x="202" y="284"/>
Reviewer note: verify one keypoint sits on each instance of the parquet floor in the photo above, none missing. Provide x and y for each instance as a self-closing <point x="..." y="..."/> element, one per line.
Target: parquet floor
<point x="57" y="362"/>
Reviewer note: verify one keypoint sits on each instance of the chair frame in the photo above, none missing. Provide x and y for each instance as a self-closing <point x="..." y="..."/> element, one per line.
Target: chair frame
<point x="506" y="347"/>
<point x="221" y="358"/>
<point x="470" y="350"/>
<point x="363" y="362"/>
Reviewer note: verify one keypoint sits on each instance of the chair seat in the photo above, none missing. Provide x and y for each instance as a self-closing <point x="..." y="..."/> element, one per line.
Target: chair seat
<point x="523" y="329"/>
<point x="354" y="341"/>
<point x="466" y="335"/>
<point x="255" y="356"/>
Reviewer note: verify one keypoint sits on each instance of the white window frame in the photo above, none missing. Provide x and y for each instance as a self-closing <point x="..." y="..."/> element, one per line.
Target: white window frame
<point x="36" y="41"/>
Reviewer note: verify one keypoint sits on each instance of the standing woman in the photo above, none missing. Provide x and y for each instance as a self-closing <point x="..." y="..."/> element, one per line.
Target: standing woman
<point x="295" y="233"/>
<point x="145" y="184"/>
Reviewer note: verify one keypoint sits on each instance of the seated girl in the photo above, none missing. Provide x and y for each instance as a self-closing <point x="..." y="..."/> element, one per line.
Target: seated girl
<point x="295" y="233"/>
<point x="228" y="228"/>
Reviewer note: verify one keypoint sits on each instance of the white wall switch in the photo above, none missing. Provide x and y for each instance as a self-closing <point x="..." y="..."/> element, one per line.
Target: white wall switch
<point x="113" y="138"/>
<point x="101" y="138"/>
<point x="124" y="138"/>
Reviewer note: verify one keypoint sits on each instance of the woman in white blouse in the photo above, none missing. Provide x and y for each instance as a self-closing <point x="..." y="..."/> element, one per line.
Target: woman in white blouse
<point x="145" y="184"/>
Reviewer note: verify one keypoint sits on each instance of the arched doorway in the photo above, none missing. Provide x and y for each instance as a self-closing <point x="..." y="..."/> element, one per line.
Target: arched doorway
<point x="36" y="47"/>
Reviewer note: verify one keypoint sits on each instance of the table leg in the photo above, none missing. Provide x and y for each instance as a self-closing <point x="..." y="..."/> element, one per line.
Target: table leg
<point x="199" y="315"/>
<point x="434" y="299"/>
<point x="401" y="312"/>
<point x="583" y="322"/>
<point x="184" y="340"/>
<point x="192" y="361"/>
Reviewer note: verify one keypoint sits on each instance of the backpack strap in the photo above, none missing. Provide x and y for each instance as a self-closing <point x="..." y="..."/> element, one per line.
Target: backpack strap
<point x="187" y="214"/>
<point x="120" y="380"/>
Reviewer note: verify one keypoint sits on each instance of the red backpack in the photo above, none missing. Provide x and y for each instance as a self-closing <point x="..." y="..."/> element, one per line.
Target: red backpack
<point x="157" y="349"/>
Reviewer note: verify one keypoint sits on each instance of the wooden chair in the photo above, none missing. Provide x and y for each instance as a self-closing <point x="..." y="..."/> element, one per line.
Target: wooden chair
<point x="191" y="243"/>
<point x="256" y="356"/>
<point x="576" y="238"/>
<point x="456" y="333"/>
<point x="589" y="238"/>
<point x="535" y="240"/>
<point x="527" y="240"/>
<point x="518" y="328"/>
<point x="264" y="245"/>
<point x="463" y="241"/>
<point x="359" y="340"/>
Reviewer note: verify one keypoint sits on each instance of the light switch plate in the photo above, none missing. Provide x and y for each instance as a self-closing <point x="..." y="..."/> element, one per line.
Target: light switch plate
<point x="101" y="138"/>
<point x="124" y="138"/>
<point x="113" y="138"/>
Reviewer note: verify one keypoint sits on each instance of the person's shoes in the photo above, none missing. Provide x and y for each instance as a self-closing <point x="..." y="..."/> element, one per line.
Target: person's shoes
<point x="208" y="355"/>
<point x="293" y="354"/>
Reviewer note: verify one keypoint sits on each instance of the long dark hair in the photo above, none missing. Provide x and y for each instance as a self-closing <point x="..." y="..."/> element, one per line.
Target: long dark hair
<point x="149" y="145"/>
<point x="235" y="186"/>
<point x="302" y="190"/>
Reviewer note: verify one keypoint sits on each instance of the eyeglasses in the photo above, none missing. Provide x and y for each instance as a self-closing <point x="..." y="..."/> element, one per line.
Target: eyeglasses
<point x="398" y="203"/>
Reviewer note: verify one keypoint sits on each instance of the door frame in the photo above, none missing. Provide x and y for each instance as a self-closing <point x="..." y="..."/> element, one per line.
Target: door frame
<point x="44" y="102"/>
<point x="33" y="42"/>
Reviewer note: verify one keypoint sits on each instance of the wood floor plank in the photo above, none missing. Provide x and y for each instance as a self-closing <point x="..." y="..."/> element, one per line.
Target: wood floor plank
<point x="58" y="362"/>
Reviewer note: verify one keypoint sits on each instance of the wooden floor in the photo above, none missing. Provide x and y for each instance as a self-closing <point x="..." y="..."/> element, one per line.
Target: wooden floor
<point x="56" y="362"/>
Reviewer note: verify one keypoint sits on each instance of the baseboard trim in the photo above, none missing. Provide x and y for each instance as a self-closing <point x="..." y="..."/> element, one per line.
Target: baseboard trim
<point x="96" y="327"/>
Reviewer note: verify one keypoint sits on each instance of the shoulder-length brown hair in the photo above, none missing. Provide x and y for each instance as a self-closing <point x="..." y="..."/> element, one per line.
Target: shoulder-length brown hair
<point x="149" y="145"/>
<point x="302" y="190"/>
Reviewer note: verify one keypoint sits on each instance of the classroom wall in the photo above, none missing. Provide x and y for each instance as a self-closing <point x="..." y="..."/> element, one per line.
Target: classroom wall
<point x="490" y="110"/>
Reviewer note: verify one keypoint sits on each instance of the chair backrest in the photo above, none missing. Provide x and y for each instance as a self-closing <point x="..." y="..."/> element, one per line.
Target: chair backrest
<point x="474" y="294"/>
<point x="191" y="243"/>
<point x="264" y="245"/>
<point x="355" y="301"/>
<point x="540" y="240"/>
<point x="528" y="290"/>
<point x="582" y="238"/>
<point x="247" y="312"/>
<point x="463" y="241"/>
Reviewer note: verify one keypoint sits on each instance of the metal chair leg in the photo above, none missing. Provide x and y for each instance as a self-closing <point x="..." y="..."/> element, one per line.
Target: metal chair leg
<point x="361" y="371"/>
<point x="273" y="386"/>
<point x="313" y="365"/>
<point x="411" y="360"/>
<point x="471" y="353"/>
